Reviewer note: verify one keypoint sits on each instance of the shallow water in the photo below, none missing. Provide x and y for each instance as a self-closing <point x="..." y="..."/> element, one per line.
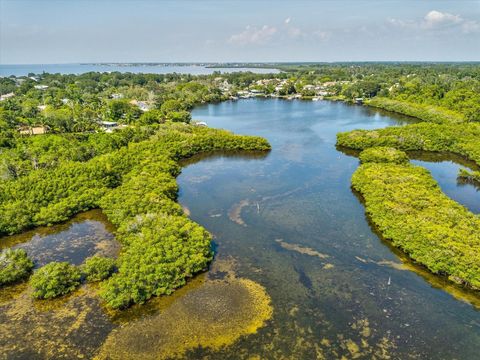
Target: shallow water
<point x="289" y="222"/>
<point x="294" y="225"/>
<point x="85" y="235"/>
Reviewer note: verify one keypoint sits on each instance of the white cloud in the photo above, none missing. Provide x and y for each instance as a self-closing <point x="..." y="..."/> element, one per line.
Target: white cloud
<point x="253" y="35"/>
<point x="438" y="21"/>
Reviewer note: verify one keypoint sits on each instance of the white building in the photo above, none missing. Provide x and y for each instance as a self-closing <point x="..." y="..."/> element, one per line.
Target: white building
<point x="6" y="96"/>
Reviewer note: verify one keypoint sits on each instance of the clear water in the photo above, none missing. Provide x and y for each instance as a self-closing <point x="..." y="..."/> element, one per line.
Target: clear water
<point x="289" y="221"/>
<point x="85" y="235"/>
<point x="300" y="193"/>
<point x="22" y="70"/>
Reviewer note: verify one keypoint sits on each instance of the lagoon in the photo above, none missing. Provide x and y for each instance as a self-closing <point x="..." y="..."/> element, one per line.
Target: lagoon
<point x="287" y="221"/>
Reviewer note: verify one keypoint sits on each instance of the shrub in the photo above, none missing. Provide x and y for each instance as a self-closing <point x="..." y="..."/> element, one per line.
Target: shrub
<point x="461" y="139"/>
<point x="14" y="266"/>
<point x="135" y="187"/>
<point x="97" y="268"/>
<point x="382" y="154"/>
<point x="423" y="112"/>
<point x="55" y="279"/>
<point x="409" y="208"/>
<point x="162" y="252"/>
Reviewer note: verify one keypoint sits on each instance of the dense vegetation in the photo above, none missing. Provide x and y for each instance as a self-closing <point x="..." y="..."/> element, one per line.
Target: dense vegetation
<point x="15" y="265"/>
<point x="430" y="113"/>
<point x="135" y="186"/>
<point x="403" y="201"/>
<point x="461" y="139"/>
<point x="383" y="155"/>
<point x="97" y="268"/>
<point x="55" y="279"/>
<point x="409" y="208"/>
<point x="425" y="91"/>
<point x="48" y="151"/>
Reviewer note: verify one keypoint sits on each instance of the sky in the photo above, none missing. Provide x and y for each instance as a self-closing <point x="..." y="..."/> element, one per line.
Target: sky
<point x="73" y="31"/>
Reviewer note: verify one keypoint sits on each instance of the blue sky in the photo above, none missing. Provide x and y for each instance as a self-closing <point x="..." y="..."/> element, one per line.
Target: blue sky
<point x="69" y="31"/>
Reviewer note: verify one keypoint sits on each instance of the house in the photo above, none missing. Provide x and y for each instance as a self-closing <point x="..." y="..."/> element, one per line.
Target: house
<point x="200" y="123"/>
<point x="41" y="87"/>
<point x="6" y="96"/>
<point x="359" y="101"/>
<point x="243" y="94"/>
<point x="41" y="107"/>
<point x="36" y="130"/>
<point x="256" y="92"/>
<point x="142" y="105"/>
<point x="116" y="96"/>
<point x="225" y="86"/>
<point x="108" y="126"/>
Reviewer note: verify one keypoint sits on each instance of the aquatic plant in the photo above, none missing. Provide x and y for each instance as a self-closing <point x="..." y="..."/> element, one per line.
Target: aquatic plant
<point x="98" y="268"/>
<point x="15" y="265"/>
<point x="55" y="279"/>
<point x="214" y="315"/>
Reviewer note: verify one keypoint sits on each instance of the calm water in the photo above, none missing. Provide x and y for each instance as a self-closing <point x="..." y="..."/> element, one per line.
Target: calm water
<point x="300" y="195"/>
<point x="289" y="221"/>
<point x="85" y="235"/>
<point x="21" y="70"/>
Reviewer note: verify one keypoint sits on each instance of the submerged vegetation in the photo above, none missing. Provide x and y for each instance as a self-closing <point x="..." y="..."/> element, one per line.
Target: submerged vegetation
<point x="130" y="174"/>
<point x="230" y="308"/>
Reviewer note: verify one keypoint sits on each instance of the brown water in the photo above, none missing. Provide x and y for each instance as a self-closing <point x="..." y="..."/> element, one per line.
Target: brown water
<point x="299" y="273"/>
